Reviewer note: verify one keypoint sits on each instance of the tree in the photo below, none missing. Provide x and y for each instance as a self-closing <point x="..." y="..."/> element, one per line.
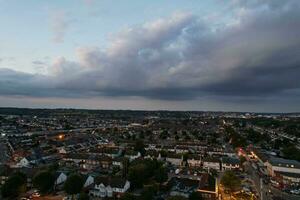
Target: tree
<point x="53" y="167"/>
<point x="291" y="152"/>
<point x="73" y="184"/>
<point x="195" y="196"/>
<point x="15" y="185"/>
<point x="177" y="198"/>
<point x="234" y="138"/>
<point x="140" y="147"/>
<point x="142" y="171"/>
<point x="137" y="175"/>
<point x="230" y="181"/>
<point x="242" y="160"/>
<point x="127" y="196"/>
<point x="148" y="193"/>
<point x="84" y="196"/>
<point x="161" y="174"/>
<point x="142" y="136"/>
<point x="43" y="181"/>
<point x="125" y="166"/>
<point x="164" y="135"/>
<point x="254" y="136"/>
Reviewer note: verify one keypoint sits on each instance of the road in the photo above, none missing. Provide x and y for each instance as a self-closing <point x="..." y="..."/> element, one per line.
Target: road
<point x="4" y="155"/>
<point x="267" y="191"/>
<point x="262" y="188"/>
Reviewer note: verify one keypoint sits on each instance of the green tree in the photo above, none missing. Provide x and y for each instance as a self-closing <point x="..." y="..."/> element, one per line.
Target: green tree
<point x="177" y="198"/>
<point x="254" y="136"/>
<point x="164" y="134"/>
<point x="161" y="174"/>
<point x="242" y="160"/>
<point x="53" y="167"/>
<point x="125" y="166"/>
<point x="84" y="196"/>
<point x="73" y="184"/>
<point x="291" y="152"/>
<point x="230" y="181"/>
<point x="142" y="171"/>
<point x="43" y="181"/>
<point x="137" y="175"/>
<point x="195" y="196"/>
<point x="148" y="193"/>
<point x="140" y="147"/>
<point x="127" y="196"/>
<point x="14" y="186"/>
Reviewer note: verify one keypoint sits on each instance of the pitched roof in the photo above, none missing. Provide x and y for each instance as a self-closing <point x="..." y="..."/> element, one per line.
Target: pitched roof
<point x="114" y="182"/>
<point x="280" y="162"/>
<point x="230" y="160"/>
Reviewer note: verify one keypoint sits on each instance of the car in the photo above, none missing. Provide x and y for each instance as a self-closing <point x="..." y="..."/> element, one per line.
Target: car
<point x="67" y="198"/>
<point x="295" y="192"/>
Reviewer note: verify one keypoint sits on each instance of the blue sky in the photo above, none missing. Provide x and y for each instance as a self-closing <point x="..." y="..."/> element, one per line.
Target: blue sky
<point x="236" y="55"/>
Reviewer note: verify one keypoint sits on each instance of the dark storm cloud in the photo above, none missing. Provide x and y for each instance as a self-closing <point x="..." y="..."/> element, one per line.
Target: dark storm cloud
<point x="254" y="55"/>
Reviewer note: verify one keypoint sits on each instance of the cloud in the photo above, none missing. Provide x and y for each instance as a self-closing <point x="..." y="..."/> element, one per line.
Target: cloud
<point x="89" y="2"/>
<point x="59" y="25"/>
<point x="38" y="62"/>
<point x="184" y="57"/>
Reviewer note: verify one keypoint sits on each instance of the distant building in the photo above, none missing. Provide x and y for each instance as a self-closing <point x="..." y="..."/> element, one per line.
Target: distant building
<point x="280" y="165"/>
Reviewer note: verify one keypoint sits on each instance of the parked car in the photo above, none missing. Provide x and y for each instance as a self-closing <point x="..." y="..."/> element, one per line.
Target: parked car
<point x="295" y="192"/>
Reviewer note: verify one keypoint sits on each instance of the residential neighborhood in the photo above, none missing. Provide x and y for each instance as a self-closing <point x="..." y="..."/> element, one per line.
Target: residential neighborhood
<point x="147" y="155"/>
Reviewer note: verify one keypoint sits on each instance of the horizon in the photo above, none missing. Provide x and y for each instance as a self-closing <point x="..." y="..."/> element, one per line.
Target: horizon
<point x="218" y="56"/>
<point x="137" y="110"/>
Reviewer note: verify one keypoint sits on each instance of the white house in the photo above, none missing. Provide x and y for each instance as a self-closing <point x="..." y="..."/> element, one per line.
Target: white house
<point x="132" y="156"/>
<point x="117" y="162"/>
<point x="175" y="159"/>
<point x="105" y="187"/>
<point x="195" y="161"/>
<point x="27" y="162"/>
<point x="60" y="178"/>
<point x="230" y="163"/>
<point x="211" y="163"/>
<point x="89" y="181"/>
<point x="24" y="162"/>
<point x="62" y="150"/>
<point x="119" y="185"/>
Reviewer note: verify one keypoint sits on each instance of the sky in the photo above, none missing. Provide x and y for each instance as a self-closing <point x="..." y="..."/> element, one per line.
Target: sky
<point x="211" y="55"/>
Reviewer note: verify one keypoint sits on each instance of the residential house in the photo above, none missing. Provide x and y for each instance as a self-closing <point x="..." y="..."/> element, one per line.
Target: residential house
<point x="107" y="187"/>
<point x="211" y="163"/>
<point x="194" y="161"/>
<point x="60" y="177"/>
<point x="174" y="159"/>
<point x="230" y="163"/>
<point x="183" y="186"/>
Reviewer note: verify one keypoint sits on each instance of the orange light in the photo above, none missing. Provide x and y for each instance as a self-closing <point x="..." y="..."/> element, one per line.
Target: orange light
<point x="61" y="137"/>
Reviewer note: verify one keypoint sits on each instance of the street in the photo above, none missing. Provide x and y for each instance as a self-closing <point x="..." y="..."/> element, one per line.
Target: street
<point x="4" y="151"/>
<point x="266" y="191"/>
